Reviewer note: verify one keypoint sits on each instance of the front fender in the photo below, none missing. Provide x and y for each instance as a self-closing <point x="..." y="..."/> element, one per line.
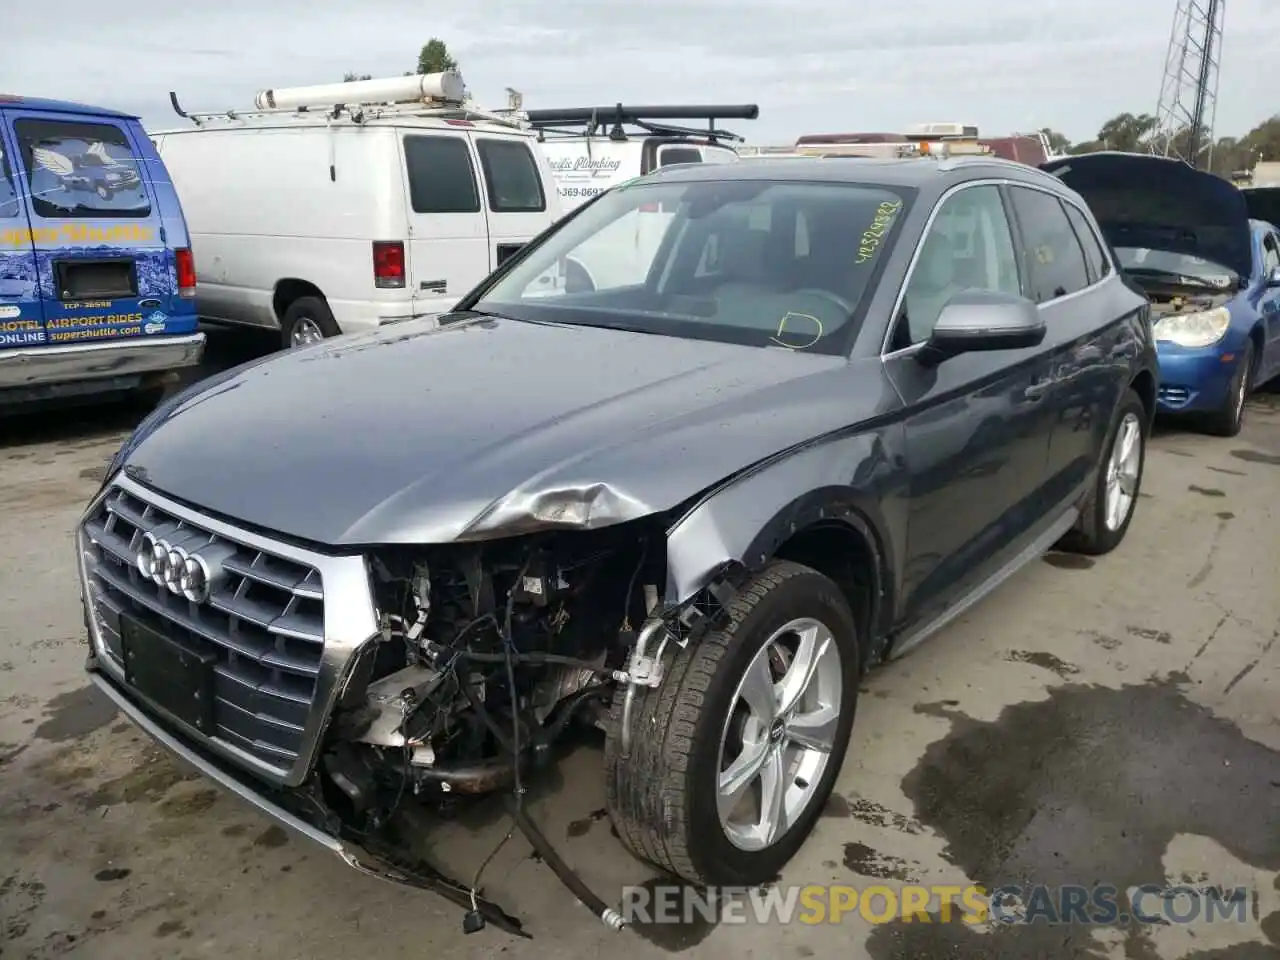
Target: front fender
<point x="855" y="479"/>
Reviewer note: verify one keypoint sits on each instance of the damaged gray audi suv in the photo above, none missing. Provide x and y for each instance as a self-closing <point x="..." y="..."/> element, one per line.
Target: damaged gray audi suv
<point x="789" y="419"/>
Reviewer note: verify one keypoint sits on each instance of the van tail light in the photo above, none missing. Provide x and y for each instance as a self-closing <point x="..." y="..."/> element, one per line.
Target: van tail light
<point x="186" y="268"/>
<point x="388" y="264"/>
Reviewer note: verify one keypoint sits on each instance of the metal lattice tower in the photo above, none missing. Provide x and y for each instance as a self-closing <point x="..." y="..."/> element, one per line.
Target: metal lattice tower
<point x="1189" y="92"/>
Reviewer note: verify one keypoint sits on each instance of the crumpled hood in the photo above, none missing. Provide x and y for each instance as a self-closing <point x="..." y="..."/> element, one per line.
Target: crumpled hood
<point x="1161" y="204"/>
<point x="480" y="429"/>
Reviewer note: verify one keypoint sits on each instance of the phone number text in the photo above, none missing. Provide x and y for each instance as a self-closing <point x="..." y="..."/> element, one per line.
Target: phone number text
<point x="580" y="191"/>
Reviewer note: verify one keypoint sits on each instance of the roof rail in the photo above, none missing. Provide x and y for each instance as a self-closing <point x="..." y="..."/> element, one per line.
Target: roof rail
<point x="589" y="121"/>
<point x="435" y="95"/>
<point x="989" y="159"/>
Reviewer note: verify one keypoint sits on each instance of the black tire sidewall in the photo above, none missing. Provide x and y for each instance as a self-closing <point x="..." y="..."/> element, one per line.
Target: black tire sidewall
<point x="805" y="595"/>
<point x="1230" y="420"/>
<point x="312" y="307"/>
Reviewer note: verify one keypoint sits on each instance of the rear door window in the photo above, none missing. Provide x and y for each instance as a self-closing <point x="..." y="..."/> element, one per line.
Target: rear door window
<point x="1099" y="265"/>
<point x="671" y="155"/>
<point x="1054" y="260"/>
<point x="80" y="169"/>
<point x="511" y="177"/>
<point x="442" y="178"/>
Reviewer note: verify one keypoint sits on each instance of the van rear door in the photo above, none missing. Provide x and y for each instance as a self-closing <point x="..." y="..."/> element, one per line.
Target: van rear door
<point x="448" y="237"/>
<point x="516" y="201"/>
<point x="21" y="316"/>
<point x="102" y="262"/>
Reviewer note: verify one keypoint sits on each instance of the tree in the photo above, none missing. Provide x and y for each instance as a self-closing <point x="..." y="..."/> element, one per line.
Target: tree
<point x="349" y="77"/>
<point x="435" y="57"/>
<point x="1127" y="132"/>
<point x="1232" y="157"/>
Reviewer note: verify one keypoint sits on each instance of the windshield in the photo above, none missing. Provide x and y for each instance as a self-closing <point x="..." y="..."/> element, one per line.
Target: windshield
<point x="1174" y="267"/>
<point x="761" y="263"/>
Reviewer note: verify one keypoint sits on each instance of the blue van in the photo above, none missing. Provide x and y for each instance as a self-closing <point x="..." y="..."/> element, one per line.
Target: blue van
<point x="97" y="280"/>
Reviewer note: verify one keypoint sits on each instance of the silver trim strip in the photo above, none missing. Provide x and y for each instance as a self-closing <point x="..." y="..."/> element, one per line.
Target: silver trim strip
<point x="350" y="621"/>
<point x="1038" y="547"/>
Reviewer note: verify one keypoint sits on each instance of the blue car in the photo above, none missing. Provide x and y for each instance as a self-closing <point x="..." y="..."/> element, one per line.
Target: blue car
<point x="97" y="275"/>
<point x="1210" y="266"/>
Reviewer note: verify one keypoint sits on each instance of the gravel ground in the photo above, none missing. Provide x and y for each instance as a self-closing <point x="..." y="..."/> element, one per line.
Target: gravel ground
<point x="1108" y="721"/>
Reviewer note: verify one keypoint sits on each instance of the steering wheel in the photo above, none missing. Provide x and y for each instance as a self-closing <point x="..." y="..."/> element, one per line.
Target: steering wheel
<point x="827" y="295"/>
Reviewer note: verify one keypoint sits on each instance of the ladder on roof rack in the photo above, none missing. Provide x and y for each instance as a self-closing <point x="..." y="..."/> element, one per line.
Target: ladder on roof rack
<point x="439" y="96"/>
<point x="588" y="121"/>
<point x="358" y="113"/>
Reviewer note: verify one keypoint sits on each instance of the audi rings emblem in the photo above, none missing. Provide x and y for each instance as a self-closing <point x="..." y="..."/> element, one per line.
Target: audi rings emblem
<point x="184" y="573"/>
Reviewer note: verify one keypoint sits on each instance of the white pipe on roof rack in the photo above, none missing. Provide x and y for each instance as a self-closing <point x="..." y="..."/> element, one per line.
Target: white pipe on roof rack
<point x="447" y="86"/>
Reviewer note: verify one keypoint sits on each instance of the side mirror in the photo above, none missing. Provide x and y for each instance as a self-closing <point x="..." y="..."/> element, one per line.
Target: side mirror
<point x="1273" y="279"/>
<point x="981" y="320"/>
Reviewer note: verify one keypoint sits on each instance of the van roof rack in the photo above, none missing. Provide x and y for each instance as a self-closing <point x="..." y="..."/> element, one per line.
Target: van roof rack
<point x="589" y="121"/>
<point x="440" y="96"/>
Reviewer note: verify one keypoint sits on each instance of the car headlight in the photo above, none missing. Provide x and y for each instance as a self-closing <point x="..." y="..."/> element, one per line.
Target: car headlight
<point x="1194" y="329"/>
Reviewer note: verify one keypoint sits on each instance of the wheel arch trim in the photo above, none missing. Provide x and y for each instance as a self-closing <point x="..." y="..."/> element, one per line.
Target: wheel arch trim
<point x="746" y="520"/>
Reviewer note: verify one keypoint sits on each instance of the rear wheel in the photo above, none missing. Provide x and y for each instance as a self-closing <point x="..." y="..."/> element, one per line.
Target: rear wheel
<point x="307" y="320"/>
<point x="1108" y="509"/>
<point x="1228" y="421"/>
<point x="733" y="757"/>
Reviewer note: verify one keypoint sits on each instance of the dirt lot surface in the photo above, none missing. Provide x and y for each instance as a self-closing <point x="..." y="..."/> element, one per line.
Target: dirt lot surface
<point x="1107" y="722"/>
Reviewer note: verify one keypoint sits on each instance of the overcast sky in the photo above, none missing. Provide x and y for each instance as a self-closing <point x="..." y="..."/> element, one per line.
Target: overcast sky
<point x="812" y="65"/>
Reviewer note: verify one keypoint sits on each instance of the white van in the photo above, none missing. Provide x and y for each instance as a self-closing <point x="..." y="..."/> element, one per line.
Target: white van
<point x="591" y="149"/>
<point x="339" y="207"/>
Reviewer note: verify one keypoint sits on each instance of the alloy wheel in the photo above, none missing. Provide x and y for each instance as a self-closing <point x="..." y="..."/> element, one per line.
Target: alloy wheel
<point x="778" y="737"/>
<point x="1122" y="471"/>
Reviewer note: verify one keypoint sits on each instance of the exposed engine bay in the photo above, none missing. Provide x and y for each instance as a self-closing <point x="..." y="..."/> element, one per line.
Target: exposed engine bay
<point x="1173" y="300"/>
<point x="489" y="653"/>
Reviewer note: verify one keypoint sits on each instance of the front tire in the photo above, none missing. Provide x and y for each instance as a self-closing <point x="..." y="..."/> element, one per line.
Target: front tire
<point x="733" y="757"/>
<point x="1109" y="507"/>
<point x="1229" y="421"/>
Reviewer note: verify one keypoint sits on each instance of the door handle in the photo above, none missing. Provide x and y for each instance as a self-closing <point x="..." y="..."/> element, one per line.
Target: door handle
<point x="1037" y="390"/>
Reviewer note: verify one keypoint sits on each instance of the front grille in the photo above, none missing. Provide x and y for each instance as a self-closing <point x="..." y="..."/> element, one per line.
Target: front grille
<point x="1174" y="396"/>
<point x="264" y="624"/>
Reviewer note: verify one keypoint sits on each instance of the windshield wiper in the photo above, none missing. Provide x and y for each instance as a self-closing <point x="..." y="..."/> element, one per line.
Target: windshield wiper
<point x="1179" y="278"/>
<point x="472" y="314"/>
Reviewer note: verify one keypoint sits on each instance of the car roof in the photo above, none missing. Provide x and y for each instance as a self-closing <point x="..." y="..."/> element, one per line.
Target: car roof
<point x="61" y="106"/>
<point x="922" y="173"/>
